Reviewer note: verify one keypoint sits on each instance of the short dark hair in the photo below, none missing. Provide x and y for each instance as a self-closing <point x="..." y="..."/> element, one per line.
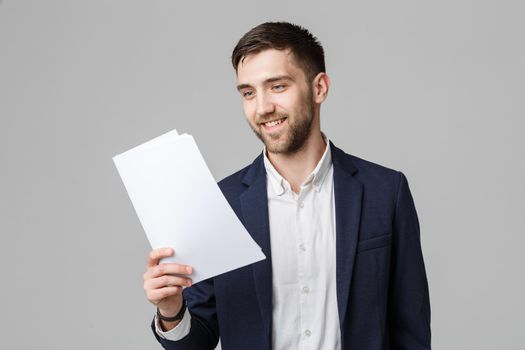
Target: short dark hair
<point x="305" y="47"/>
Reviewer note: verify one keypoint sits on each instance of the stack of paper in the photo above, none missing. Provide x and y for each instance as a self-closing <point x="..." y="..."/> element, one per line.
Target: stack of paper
<point x="180" y="206"/>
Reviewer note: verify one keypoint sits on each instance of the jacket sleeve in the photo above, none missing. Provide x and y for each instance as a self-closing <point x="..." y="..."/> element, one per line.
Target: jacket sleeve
<point x="204" y="331"/>
<point x="409" y="302"/>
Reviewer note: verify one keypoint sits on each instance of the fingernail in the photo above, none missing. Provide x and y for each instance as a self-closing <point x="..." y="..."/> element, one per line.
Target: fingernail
<point x="189" y="269"/>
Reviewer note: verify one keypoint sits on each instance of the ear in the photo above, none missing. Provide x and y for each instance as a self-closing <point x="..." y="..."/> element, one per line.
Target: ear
<point x="320" y="86"/>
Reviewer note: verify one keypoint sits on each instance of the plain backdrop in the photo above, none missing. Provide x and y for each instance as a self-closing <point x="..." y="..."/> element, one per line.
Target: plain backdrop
<point x="432" y="88"/>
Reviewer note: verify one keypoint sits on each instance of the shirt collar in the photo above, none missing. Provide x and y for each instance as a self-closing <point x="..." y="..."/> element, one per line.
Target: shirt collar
<point x="280" y="185"/>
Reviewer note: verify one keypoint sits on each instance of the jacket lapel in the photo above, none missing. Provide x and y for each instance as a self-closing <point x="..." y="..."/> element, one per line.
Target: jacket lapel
<point x="254" y="204"/>
<point x="348" y="197"/>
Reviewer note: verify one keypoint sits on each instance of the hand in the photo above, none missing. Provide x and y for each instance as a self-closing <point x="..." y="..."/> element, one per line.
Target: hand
<point x="163" y="282"/>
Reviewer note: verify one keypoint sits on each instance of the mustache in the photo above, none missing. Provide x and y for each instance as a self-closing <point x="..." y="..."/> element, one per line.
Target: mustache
<point x="273" y="116"/>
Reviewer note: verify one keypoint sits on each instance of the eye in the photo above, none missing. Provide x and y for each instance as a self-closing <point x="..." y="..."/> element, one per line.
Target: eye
<point x="278" y="87"/>
<point x="247" y="94"/>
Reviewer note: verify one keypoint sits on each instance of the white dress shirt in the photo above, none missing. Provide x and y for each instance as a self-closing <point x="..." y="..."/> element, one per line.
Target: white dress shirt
<point x="302" y="238"/>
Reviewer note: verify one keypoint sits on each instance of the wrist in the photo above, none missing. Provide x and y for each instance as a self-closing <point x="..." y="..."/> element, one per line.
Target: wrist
<point x="171" y="316"/>
<point x="167" y="326"/>
<point x="170" y="306"/>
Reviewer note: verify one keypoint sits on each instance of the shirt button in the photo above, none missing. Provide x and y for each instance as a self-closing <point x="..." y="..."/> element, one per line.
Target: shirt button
<point x="306" y="290"/>
<point x="307" y="333"/>
<point x="301" y="205"/>
<point x="302" y="246"/>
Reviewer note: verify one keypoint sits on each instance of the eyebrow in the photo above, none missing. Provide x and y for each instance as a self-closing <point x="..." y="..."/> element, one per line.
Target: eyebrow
<point x="267" y="81"/>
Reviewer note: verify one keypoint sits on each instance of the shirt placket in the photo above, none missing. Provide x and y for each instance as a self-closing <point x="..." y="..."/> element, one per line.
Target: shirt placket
<point x="303" y="217"/>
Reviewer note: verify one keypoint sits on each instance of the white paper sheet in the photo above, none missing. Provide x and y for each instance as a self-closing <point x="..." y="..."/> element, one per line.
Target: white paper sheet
<point x="180" y="205"/>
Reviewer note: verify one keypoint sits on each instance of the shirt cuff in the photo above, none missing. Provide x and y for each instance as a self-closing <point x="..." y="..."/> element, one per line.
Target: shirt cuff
<point x="179" y="331"/>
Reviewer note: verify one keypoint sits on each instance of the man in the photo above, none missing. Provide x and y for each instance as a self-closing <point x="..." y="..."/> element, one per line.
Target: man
<point x="344" y="267"/>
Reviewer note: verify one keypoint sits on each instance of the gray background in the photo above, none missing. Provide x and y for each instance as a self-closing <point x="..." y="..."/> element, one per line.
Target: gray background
<point x="432" y="88"/>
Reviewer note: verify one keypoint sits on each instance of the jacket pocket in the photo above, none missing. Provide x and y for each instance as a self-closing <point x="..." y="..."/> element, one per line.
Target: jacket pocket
<point x="374" y="243"/>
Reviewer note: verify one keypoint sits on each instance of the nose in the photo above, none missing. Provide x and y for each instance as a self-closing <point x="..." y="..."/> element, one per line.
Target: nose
<point x="264" y="105"/>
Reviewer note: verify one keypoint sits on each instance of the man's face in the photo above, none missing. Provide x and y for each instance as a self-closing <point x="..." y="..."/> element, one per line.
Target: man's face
<point x="277" y="100"/>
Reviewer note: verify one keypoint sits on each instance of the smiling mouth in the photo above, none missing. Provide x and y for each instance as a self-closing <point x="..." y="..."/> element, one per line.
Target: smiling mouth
<point x="273" y="123"/>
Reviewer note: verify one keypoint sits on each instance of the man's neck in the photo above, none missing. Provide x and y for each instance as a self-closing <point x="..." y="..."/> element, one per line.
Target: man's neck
<point x="296" y="167"/>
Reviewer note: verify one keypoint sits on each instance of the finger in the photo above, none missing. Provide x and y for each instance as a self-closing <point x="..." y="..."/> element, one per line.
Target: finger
<point x="169" y="269"/>
<point x="156" y="254"/>
<point x="167" y="281"/>
<point x="156" y="295"/>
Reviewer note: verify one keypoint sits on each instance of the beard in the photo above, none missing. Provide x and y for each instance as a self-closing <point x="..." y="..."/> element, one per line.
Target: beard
<point x="295" y="135"/>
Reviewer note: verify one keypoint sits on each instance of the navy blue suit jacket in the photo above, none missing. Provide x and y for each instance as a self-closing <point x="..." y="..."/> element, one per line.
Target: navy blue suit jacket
<point x="382" y="290"/>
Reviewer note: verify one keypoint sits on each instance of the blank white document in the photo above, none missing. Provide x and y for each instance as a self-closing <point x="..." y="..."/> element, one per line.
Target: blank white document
<point x="180" y="205"/>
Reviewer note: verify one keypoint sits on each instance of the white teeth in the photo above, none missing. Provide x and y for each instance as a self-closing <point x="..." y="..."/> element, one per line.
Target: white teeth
<point x="273" y="123"/>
